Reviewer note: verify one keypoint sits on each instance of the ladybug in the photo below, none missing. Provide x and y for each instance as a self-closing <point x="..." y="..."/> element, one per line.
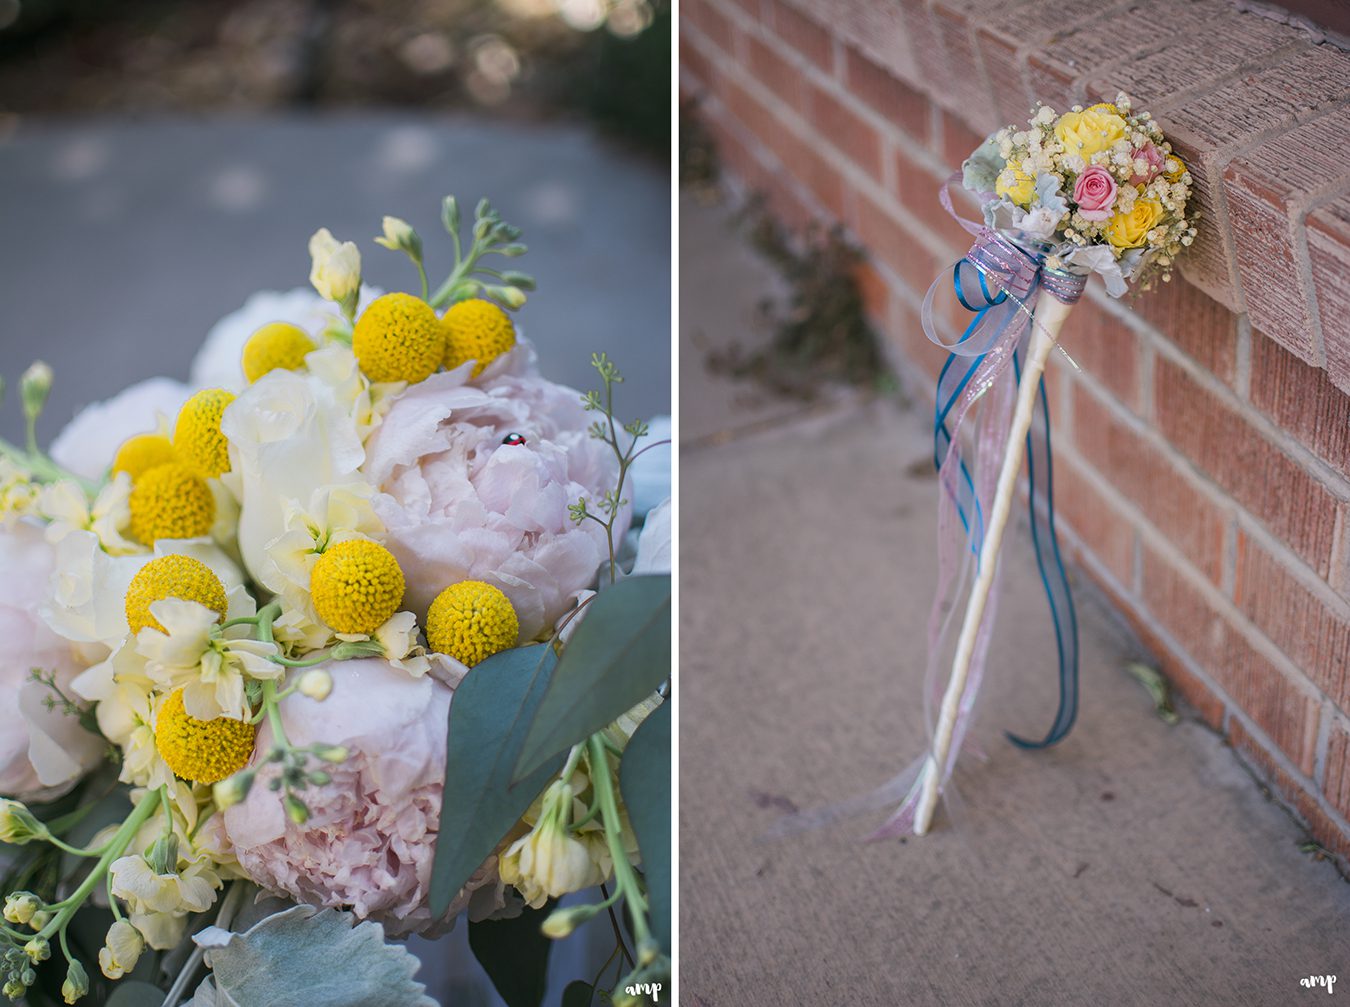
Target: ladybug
<point x="512" y="440"/>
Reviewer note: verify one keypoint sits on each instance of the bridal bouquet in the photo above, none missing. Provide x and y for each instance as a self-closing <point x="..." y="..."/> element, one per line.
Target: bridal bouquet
<point x="352" y="637"/>
<point x="1100" y="185"/>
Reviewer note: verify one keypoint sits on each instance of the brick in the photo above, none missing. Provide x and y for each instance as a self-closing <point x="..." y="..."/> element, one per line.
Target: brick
<point x="875" y="293"/>
<point x="917" y="188"/>
<point x="895" y="101"/>
<point x="886" y="237"/>
<point x="1328" y="231"/>
<point x="1271" y="486"/>
<point x="909" y="336"/>
<point x="1208" y="262"/>
<point x="1296" y="88"/>
<point x="1313" y="635"/>
<point x="923" y="42"/>
<point x="959" y="140"/>
<point x="1291" y="791"/>
<point x="965" y="78"/>
<point x="1106" y="348"/>
<point x="845" y="130"/>
<point x="1083" y="500"/>
<point x="1141" y="473"/>
<point x="1003" y="68"/>
<point x="693" y="65"/>
<point x="1194" y="322"/>
<point x="711" y="22"/>
<point x="1201" y="51"/>
<point x="1280" y="707"/>
<point x="1301" y="399"/>
<point x="1052" y="83"/>
<point x="769" y="67"/>
<point x="1266" y="192"/>
<point x="875" y="29"/>
<point x="1336" y="784"/>
<point x="810" y="39"/>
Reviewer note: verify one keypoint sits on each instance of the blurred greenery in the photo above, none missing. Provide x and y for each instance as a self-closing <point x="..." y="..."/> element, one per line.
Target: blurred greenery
<point x="607" y="61"/>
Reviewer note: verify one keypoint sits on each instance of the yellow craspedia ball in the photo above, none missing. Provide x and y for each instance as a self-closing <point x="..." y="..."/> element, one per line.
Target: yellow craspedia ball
<point x="202" y="751"/>
<point x="171" y="501"/>
<point x="141" y="453"/>
<point x="356" y="586"/>
<point x="276" y="346"/>
<point x="476" y="330"/>
<point x="172" y="576"/>
<point x="471" y="621"/>
<point x="196" y="435"/>
<point x="398" y="338"/>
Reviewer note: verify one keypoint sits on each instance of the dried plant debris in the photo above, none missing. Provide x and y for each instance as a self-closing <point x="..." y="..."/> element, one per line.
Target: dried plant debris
<point x="821" y="337"/>
<point x="1158" y="690"/>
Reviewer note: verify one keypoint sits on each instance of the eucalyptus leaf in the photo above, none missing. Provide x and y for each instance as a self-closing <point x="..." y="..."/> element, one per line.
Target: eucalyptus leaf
<point x="644" y="779"/>
<point x="133" y="993"/>
<point x="306" y="956"/>
<point x="579" y="993"/>
<point x="514" y="954"/>
<point x="618" y="656"/>
<point x="492" y="708"/>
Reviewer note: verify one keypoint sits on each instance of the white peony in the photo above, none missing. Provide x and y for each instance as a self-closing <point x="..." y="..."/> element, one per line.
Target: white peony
<point x="42" y="751"/>
<point x="87" y="445"/>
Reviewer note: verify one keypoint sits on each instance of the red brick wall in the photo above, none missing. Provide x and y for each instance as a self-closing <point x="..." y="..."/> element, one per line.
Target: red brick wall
<point x="1203" y="451"/>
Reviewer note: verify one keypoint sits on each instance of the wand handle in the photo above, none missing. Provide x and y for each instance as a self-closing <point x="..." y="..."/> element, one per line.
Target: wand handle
<point x="1049" y="316"/>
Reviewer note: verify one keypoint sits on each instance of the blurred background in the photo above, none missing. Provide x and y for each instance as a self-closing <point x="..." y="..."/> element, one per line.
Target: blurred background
<point x="161" y="161"/>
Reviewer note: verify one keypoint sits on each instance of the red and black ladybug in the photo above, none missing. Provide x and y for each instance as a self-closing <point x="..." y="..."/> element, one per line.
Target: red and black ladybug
<point x="512" y="440"/>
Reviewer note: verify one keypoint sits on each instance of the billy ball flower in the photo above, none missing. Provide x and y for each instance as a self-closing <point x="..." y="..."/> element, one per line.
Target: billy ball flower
<point x="356" y="586"/>
<point x="172" y="576"/>
<point x="202" y="751"/>
<point x="476" y="330"/>
<point x="277" y="345"/>
<point x="196" y="435"/>
<point x="141" y="453"/>
<point x="398" y="338"/>
<point x="171" y="501"/>
<point x="471" y="621"/>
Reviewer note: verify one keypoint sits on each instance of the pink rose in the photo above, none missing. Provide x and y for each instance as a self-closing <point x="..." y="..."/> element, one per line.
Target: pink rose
<point x="1094" y="192"/>
<point x="1151" y="156"/>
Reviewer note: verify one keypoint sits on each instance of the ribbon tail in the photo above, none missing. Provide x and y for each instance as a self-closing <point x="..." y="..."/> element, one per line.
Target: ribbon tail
<point x="1054" y="577"/>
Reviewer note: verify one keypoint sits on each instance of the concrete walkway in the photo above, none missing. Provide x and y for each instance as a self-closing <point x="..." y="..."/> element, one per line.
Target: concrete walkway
<point x="1136" y="863"/>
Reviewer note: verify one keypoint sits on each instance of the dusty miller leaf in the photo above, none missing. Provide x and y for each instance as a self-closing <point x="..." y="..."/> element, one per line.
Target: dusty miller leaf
<point x="306" y="956"/>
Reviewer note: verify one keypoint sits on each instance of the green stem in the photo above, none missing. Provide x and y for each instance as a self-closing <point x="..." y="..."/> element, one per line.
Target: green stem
<point x="78" y="851"/>
<point x="116" y="847"/>
<point x="625" y="878"/>
<point x="422" y="272"/>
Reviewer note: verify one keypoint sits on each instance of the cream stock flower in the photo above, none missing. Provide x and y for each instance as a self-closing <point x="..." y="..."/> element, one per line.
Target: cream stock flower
<point x="549" y="861"/>
<point x="121" y="950"/>
<point x="333" y="514"/>
<point x="66" y="505"/>
<point x="335" y="269"/>
<point x="208" y="667"/>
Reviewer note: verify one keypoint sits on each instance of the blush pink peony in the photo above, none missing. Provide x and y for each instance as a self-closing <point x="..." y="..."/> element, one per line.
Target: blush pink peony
<point x="1095" y="192"/>
<point x="371" y="836"/>
<point x="42" y="752"/>
<point x="462" y="500"/>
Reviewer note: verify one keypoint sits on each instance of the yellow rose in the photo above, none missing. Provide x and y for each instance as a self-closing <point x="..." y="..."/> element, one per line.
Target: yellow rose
<point x="1087" y="132"/>
<point x="1016" y="184"/>
<point x="1130" y="230"/>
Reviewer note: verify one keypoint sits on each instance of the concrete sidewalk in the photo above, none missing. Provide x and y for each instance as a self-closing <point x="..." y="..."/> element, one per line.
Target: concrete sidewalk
<point x="1135" y="863"/>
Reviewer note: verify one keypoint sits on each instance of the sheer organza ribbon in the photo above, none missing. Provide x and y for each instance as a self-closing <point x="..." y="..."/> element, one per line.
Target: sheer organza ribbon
<point x="998" y="281"/>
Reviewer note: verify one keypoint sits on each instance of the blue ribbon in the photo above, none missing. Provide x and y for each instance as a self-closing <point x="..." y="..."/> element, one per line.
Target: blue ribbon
<point x="952" y="383"/>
